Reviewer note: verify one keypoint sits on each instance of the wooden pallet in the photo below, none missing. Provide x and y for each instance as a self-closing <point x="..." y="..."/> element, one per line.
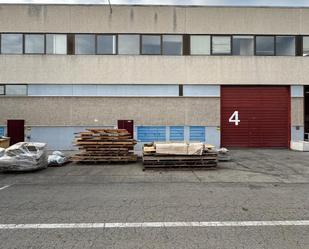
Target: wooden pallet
<point x="104" y="145"/>
<point x="180" y="161"/>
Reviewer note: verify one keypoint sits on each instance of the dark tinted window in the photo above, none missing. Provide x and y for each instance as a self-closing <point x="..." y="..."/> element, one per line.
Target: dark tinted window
<point x="265" y="45"/>
<point x="34" y="44"/>
<point x="11" y="43"/>
<point x="151" y="44"/>
<point x="172" y="44"/>
<point x="84" y="44"/>
<point x="243" y="45"/>
<point x="285" y="45"/>
<point x="106" y="44"/>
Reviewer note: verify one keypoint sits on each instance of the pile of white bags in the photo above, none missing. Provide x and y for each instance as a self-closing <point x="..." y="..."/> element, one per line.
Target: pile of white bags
<point x="24" y="156"/>
<point x="57" y="158"/>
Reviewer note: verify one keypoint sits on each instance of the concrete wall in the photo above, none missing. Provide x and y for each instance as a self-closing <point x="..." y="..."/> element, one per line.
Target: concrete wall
<point x="83" y="111"/>
<point x="154" y="19"/>
<point x="153" y="69"/>
<point x="140" y="69"/>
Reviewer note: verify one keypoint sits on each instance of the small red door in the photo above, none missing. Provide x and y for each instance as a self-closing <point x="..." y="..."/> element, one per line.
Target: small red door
<point x="16" y="130"/>
<point x="255" y="116"/>
<point x="128" y="125"/>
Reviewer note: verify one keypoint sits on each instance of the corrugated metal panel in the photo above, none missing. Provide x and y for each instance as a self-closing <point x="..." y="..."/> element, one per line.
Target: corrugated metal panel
<point x="151" y="133"/>
<point x="176" y="133"/>
<point x="197" y="133"/>
<point x="264" y="114"/>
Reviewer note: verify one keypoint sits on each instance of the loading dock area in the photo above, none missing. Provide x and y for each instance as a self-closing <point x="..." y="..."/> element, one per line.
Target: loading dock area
<point x="255" y="116"/>
<point x="259" y="185"/>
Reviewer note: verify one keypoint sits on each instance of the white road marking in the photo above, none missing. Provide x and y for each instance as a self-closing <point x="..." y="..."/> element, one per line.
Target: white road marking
<point x="4" y="187"/>
<point x="157" y="224"/>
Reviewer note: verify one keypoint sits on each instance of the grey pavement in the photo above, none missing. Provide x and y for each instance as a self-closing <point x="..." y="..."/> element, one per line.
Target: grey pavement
<point x="265" y="185"/>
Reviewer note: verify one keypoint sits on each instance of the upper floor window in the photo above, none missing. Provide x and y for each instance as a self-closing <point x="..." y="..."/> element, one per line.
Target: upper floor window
<point x="221" y="45"/>
<point x="200" y="44"/>
<point x="265" y="45"/>
<point x="172" y="44"/>
<point x="285" y="45"/>
<point x="128" y="44"/>
<point x="11" y="43"/>
<point x="306" y="46"/>
<point x="106" y="44"/>
<point x="56" y="44"/>
<point x="151" y="44"/>
<point x="1" y="89"/>
<point x="34" y="44"/>
<point x="16" y="90"/>
<point x="243" y="45"/>
<point x="84" y="44"/>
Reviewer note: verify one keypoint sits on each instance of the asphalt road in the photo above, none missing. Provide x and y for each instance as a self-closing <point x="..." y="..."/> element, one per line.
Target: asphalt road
<point x="125" y="194"/>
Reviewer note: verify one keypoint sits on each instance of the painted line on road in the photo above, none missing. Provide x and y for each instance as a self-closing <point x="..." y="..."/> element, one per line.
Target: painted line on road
<point x="4" y="187"/>
<point x="157" y="224"/>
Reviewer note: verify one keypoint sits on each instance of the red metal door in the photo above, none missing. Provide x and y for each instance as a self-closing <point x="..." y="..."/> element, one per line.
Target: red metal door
<point x="263" y="116"/>
<point x="128" y="125"/>
<point x="16" y="130"/>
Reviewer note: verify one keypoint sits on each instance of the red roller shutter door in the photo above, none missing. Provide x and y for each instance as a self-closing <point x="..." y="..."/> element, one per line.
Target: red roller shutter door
<point x="263" y="114"/>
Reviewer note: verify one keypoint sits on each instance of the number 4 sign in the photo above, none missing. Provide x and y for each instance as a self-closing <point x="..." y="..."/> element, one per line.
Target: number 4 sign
<point x="234" y="118"/>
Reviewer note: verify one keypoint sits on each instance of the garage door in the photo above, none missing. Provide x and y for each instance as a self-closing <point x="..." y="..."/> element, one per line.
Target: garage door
<point x="253" y="116"/>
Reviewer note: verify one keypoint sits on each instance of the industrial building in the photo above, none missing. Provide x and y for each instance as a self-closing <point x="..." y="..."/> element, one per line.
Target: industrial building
<point x="233" y="77"/>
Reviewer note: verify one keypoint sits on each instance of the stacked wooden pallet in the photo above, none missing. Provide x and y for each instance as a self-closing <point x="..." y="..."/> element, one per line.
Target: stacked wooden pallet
<point x="104" y="146"/>
<point x="152" y="160"/>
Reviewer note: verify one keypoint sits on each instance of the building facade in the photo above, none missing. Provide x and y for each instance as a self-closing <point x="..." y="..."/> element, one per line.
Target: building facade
<point x="233" y="77"/>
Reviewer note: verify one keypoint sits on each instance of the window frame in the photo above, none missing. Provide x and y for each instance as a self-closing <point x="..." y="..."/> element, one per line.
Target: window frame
<point x="182" y="44"/>
<point x="12" y="95"/>
<point x="223" y="54"/>
<point x="255" y="46"/>
<point x="67" y="38"/>
<point x="232" y="49"/>
<point x="24" y="43"/>
<point x="106" y="34"/>
<point x="149" y="34"/>
<point x="210" y="44"/>
<point x="140" y="43"/>
<point x="12" y="33"/>
<point x="95" y="42"/>
<point x="295" y="45"/>
<point x="302" y="46"/>
<point x="2" y="94"/>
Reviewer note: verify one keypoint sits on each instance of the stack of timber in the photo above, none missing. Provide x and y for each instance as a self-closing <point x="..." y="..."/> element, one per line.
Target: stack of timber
<point x="179" y="155"/>
<point x="105" y="146"/>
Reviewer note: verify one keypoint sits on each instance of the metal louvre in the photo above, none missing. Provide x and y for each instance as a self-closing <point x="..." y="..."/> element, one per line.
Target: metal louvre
<point x="177" y="133"/>
<point x="263" y="112"/>
<point x="151" y="133"/>
<point x="197" y="133"/>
